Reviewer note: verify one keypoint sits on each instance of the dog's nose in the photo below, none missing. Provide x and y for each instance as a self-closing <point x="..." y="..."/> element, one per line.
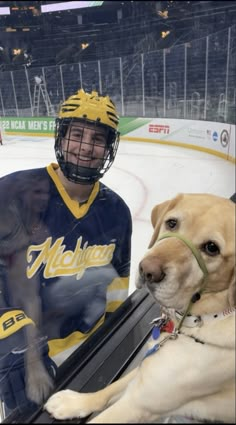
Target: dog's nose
<point x="150" y="270"/>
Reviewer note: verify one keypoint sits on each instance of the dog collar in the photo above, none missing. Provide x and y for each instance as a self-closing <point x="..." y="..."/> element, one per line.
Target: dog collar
<point x="191" y="321"/>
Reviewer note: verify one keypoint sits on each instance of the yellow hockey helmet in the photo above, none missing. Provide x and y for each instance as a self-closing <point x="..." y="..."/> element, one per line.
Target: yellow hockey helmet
<point x="92" y="107"/>
<point x="83" y="110"/>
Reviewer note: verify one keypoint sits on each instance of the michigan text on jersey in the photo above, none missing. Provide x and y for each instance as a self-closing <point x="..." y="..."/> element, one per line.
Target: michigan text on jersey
<point x="59" y="262"/>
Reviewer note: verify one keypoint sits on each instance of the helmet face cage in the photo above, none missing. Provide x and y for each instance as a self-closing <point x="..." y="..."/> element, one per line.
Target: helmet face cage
<point x="84" y="149"/>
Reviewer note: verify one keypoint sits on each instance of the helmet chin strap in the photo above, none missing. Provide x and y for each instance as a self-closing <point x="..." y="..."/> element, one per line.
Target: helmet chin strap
<point x="195" y="297"/>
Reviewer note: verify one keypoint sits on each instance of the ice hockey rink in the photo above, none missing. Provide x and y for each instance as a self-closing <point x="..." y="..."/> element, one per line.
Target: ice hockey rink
<point x="144" y="174"/>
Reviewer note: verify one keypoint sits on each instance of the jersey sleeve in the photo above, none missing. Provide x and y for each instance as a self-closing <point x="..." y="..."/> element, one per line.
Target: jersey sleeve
<point x="117" y="291"/>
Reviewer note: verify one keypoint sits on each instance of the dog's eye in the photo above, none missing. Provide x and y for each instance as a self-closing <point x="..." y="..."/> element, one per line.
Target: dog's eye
<point x="171" y="223"/>
<point x="210" y="248"/>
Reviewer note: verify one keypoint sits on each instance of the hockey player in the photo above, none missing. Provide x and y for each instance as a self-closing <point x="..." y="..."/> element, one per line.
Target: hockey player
<point x="65" y="246"/>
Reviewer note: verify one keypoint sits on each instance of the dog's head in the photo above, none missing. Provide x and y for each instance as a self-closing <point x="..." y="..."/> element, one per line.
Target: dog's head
<point x="170" y="269"/>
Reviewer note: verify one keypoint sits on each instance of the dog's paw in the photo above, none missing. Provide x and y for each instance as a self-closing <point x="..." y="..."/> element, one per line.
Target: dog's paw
<point x="68" y="404"/>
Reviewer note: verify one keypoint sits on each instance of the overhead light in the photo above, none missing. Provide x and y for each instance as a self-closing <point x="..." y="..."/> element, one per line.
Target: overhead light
<point x="9" y="29"/>
<point x="84" y="45"/>
<point x="5" y="11"/>
<point x="164" y="34"/>
<point x="69" y="5"/>
<point x="16" y="51"/>
<point x="163" y="14"/>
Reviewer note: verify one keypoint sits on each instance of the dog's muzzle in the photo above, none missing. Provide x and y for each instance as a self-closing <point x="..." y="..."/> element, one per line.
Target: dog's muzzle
<point x="151" y="270"/>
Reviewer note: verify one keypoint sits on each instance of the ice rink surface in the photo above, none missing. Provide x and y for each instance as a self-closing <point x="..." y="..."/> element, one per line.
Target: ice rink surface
<point x="144" y="174"/>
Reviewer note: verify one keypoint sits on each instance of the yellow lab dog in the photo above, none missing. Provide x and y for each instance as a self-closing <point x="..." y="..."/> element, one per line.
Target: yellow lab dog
<point x="189" y="369"/>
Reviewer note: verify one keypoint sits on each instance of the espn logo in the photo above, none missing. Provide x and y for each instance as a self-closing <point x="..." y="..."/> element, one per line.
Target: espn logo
<point x="157" y="128"/>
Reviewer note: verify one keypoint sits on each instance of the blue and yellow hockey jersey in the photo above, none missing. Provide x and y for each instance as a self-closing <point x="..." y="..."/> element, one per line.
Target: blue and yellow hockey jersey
<point x="80" y="254"/>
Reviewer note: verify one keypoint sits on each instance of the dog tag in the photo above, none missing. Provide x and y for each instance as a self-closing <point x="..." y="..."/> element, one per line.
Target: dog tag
<point x="156" y="332"/>
<point x="160" y="321"/>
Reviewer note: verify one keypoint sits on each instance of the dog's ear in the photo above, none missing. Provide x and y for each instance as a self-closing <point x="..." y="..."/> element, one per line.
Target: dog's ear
<point x="156" y="219"/>
<point x="157" y="215"/>
<point x="232" y="291"/>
